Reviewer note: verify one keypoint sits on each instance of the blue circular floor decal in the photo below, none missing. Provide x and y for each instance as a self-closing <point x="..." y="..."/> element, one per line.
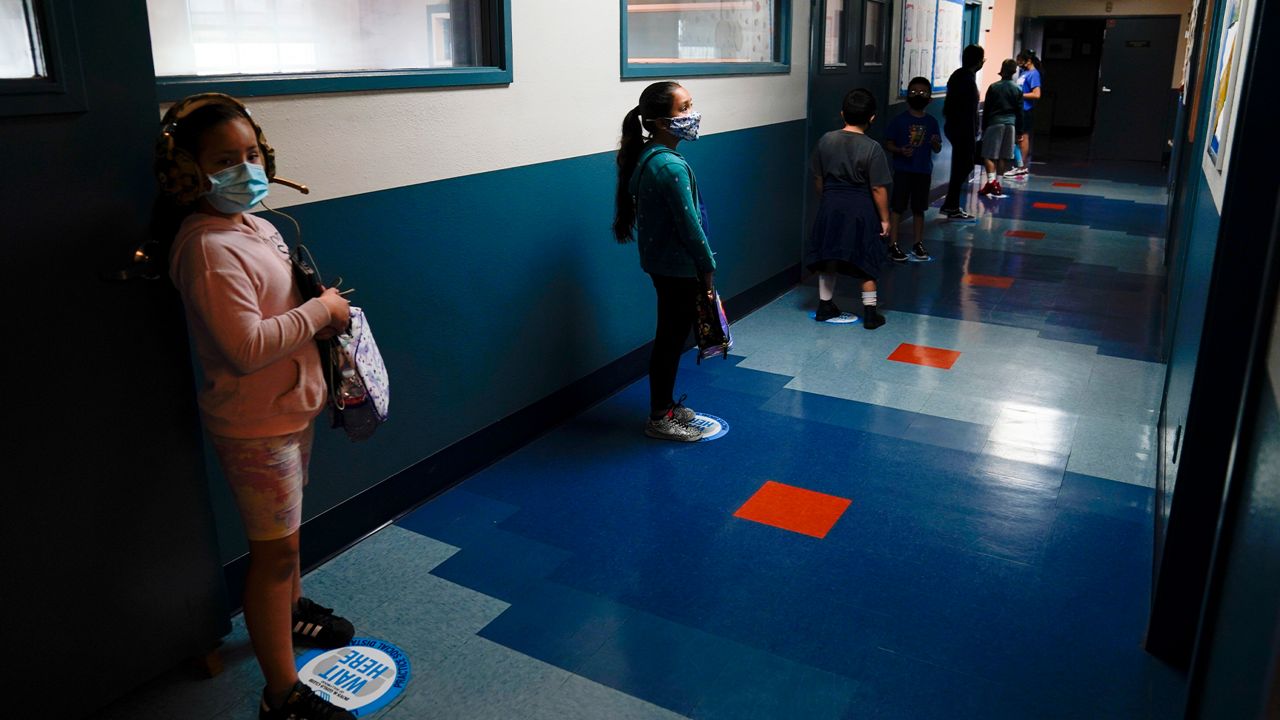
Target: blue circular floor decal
<point x="712" y="427"/>
<point x="843" y="318"/>
<point x="362" y="677"/>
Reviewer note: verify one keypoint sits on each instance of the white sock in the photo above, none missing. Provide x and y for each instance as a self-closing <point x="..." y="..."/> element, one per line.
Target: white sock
<point x="991" y="177"/>
<point x="826" y="286"/>
<point x="869" y="298"/>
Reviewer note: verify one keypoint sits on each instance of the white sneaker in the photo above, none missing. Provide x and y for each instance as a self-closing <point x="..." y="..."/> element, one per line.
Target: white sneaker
<point x="1016" y="173"/>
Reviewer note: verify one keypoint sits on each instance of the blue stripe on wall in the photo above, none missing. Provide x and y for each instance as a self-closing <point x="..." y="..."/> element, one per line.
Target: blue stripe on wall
<point x="489" y="292"/>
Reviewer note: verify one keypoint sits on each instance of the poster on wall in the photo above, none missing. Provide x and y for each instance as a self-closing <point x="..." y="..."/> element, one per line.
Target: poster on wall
<point x="918" y="36"/>
<point x="1189" y="45"/>
<point x="1232" y="48"/>
<point x="949" y="42"/>
<point x="1224" y="86"/>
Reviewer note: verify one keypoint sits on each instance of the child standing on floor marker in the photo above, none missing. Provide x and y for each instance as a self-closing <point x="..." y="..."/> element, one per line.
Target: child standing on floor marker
<point x="908" y="135"/>
<point x="264" y="386"/>
<point x="657" y="205"/>
<point x="852" y="177"/>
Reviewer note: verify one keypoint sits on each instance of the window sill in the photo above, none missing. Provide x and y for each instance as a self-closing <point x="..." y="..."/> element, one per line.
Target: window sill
<point x="695" y="69"/>
<point x="171" y="89"/>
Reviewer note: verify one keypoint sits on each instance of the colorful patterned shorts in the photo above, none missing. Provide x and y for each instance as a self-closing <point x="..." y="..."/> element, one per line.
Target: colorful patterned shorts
<point x="267" y="476"/>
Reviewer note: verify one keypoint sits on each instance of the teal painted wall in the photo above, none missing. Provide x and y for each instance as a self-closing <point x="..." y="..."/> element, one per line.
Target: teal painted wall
<point x="489" y="292"/>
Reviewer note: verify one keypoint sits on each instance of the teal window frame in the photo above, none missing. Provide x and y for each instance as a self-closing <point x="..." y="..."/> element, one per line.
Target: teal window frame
<point x="61" y="90"/>
<point x="781" y="66"/>
<point x="172" y="89"/>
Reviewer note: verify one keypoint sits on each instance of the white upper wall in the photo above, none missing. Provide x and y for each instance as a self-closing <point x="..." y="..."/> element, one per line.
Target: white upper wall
<point x="566" y="100"/>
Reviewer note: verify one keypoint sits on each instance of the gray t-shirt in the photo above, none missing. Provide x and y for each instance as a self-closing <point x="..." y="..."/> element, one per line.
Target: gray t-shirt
<point x="851" y="157"/>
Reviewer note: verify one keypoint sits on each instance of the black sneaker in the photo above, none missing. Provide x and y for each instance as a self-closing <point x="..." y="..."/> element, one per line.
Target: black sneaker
<point x="871" y="317"/>
<point x="896" y="254"/>
<point x="314" y="624"/>
<point x="919" y="252"/>
<point x="303" y="704"/>
<point x="826" y="310"/>
<point x="958" y="215"/>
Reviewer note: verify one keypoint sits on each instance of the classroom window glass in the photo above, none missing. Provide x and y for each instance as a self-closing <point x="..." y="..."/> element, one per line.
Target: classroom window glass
<point x="21" y="56"/>
<point x="833" y="45"/>
<point x="873" y="35"/>
<point x="266" y="37"/>
<point x="665" y="32"/>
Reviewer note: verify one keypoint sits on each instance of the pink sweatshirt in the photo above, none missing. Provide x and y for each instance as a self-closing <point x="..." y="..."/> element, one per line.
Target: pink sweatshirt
<point x="253" y="333"/>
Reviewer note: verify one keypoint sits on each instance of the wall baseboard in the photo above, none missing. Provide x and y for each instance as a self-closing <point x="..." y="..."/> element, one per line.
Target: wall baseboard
<point x="346" y="524"/>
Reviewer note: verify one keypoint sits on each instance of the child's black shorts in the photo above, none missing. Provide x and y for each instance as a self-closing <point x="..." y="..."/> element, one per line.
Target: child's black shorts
<point x="909" y="187"/>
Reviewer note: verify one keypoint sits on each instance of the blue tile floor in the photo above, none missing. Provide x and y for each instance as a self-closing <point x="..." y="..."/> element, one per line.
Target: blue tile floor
<point x="994" y="560"/>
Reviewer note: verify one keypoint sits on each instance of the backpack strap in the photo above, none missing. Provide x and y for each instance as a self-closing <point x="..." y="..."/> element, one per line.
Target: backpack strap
<point x="692" y="179"/>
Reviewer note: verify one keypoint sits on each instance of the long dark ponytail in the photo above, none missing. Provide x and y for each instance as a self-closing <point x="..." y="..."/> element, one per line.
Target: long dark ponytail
<point x="655" y="102"/>
<point x="1029" y="54"/>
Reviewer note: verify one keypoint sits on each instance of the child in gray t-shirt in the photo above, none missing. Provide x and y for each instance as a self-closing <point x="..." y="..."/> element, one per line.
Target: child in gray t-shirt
<point x="852" y="177"/>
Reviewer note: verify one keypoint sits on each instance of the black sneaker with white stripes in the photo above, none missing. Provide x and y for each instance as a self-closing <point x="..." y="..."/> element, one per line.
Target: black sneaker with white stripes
<point x="314" y="624"/>
<point x="303" y="703"/>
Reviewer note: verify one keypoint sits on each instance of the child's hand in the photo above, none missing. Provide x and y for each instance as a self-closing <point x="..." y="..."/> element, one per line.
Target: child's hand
<point x="884" y="228"/>
<point x="937" y="143"/>
<point x="338" y="307"/>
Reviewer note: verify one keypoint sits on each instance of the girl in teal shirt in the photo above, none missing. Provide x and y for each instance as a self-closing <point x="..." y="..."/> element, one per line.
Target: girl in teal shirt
<point x="658" y="205"/>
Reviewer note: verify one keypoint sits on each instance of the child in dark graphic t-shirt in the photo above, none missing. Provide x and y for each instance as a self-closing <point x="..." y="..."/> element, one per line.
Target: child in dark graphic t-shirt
<point x="912" y="139"/>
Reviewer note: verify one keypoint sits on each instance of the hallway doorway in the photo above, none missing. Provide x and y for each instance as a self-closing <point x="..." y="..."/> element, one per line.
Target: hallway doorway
<point x="1106" y="90"/>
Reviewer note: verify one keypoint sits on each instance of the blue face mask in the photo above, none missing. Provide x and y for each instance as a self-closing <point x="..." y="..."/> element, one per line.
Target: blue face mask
<point x="685" y="127"/>
<point x="237" y="189"/>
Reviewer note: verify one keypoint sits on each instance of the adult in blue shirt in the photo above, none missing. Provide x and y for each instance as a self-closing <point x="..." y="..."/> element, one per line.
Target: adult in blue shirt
<point x="1030" y="82"/>
<point x="960" y="113"/>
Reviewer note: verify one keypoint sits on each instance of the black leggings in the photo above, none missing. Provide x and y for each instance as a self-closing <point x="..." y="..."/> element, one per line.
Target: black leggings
<point x="962" y="149"/>
<point x="677" y="311"/>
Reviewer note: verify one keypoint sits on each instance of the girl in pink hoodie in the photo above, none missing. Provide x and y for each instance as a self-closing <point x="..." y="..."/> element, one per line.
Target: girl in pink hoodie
<point x="263" y="383"/>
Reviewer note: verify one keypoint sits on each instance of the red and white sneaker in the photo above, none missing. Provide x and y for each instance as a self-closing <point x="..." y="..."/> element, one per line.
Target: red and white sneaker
<point x="999" y="190"/>
<point x="989" y="190"/>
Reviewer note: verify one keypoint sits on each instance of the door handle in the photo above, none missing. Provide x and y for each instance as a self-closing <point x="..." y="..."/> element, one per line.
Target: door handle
<point x="1106" y="89"/>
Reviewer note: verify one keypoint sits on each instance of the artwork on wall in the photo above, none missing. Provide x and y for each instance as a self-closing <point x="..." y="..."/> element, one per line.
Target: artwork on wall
<point x="949" y="41"/>
<point x="932" y="40"/>
<point x="918" y="31"/>
<point x="1226" y="73"/>
<point x="1225" y="89"/>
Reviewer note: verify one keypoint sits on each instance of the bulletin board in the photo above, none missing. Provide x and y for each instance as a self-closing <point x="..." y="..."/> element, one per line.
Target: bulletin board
<point x="932" y="40"/>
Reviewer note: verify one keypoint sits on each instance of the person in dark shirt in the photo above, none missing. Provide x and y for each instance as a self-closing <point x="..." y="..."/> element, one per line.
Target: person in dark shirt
<point x="960" y="111"/>
<point x="912" y="138"/>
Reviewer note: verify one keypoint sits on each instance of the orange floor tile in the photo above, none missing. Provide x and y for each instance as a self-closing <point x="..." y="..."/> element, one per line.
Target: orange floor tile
<point x="993" y="281"/>
<point x="1048" y="206"/>
<point x="1030" y="234"/>
<point x="795" y="509"/>
<point x="922" y="355"/>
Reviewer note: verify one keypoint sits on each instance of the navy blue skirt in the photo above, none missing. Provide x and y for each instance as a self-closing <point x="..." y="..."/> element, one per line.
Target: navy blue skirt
<point x="846" y="235"/>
